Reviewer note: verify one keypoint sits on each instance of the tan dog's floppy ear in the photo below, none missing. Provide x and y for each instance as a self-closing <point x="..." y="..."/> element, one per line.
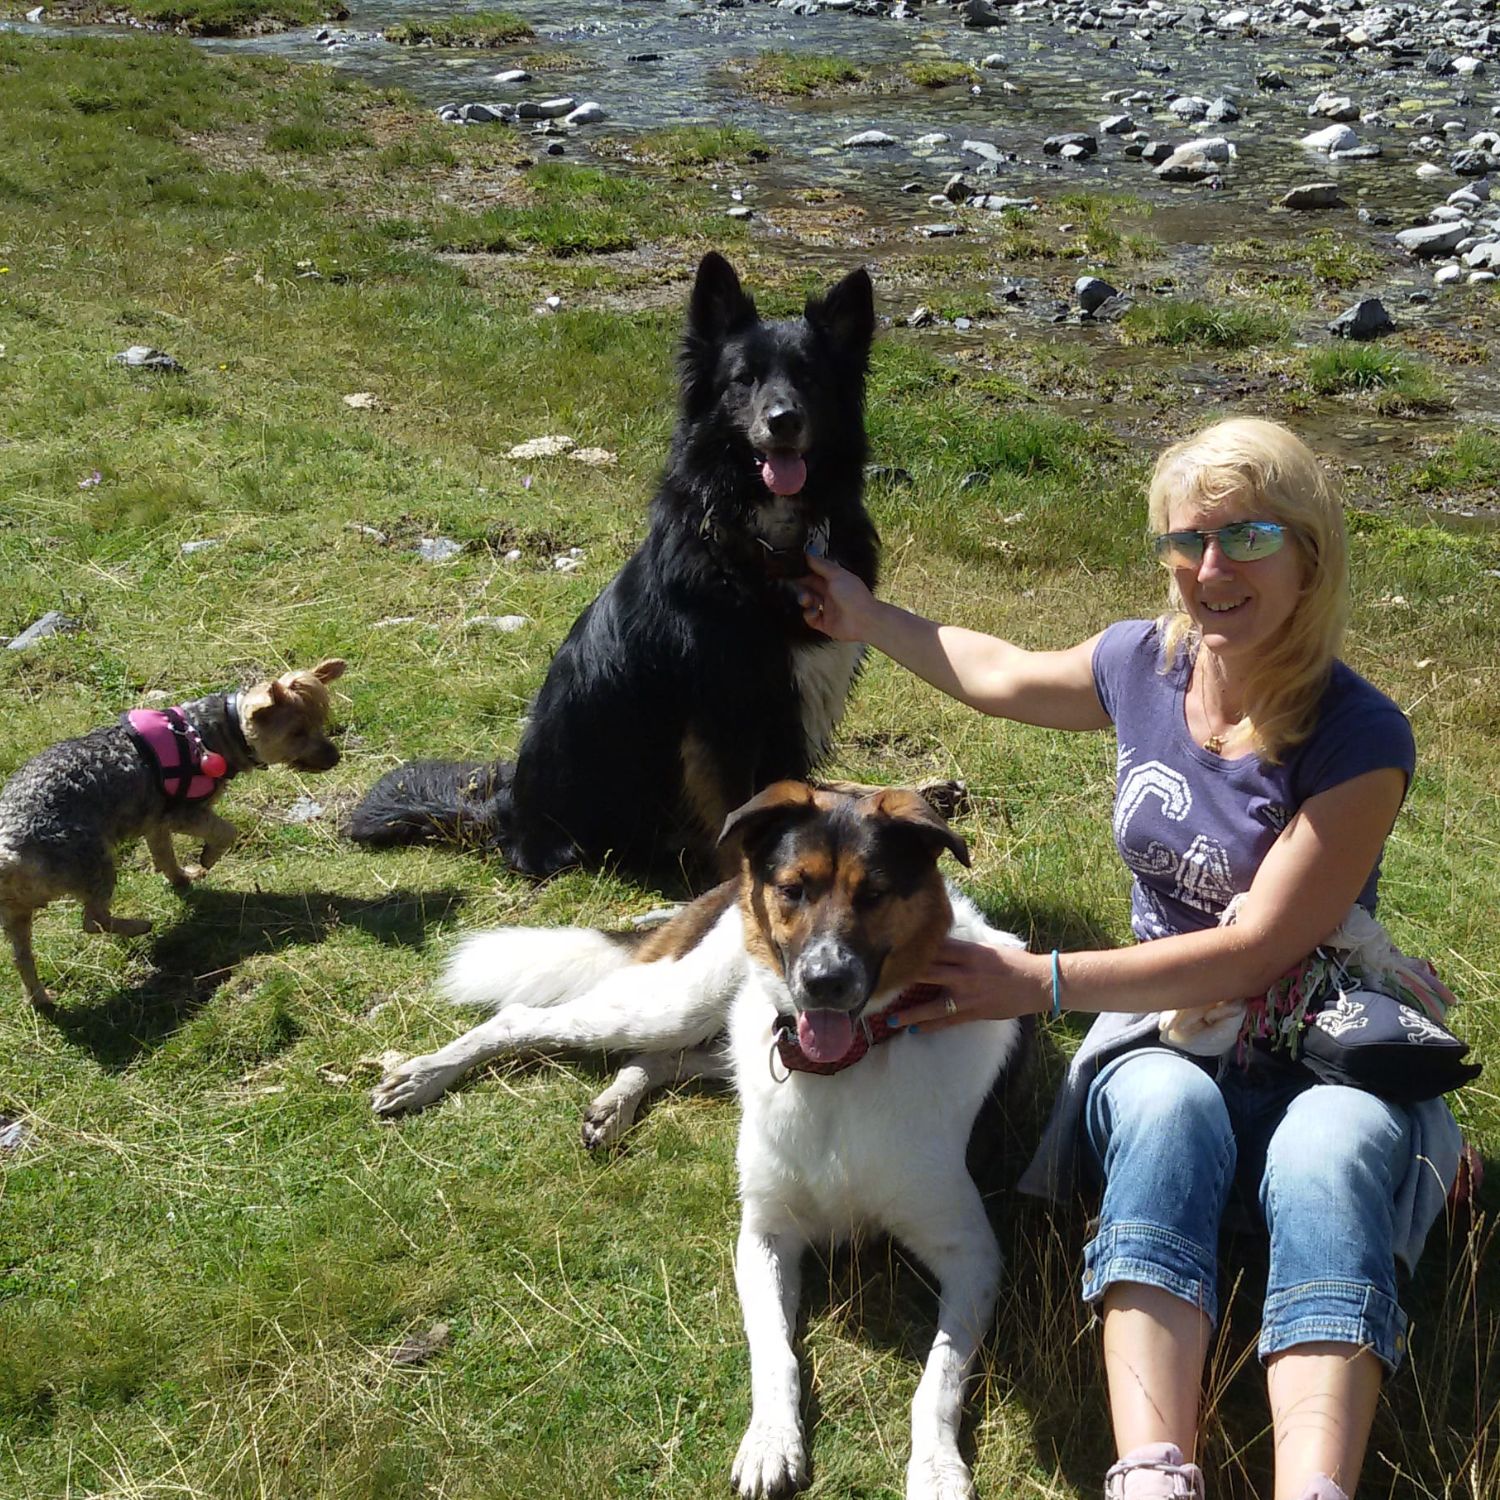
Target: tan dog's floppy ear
<point x="326" y="671"/>
<point x="782" y="799"/>
<point x="911" y="808"/>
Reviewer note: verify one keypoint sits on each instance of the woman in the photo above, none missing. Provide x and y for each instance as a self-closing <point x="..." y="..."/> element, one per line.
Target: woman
<point x="1254" y="767"/>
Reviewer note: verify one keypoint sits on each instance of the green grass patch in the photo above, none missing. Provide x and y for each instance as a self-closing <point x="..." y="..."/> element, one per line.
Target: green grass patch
<point x="313" y="138"/>
<point x="1396" y="382"/>
<point x="938" y="73"/>
<point x="1339" y="260"/>
<point x="1467" y="462"/>
<point x="482" y="28"/>
<point x="796" y="75"/>
<point x="225" y="17"/>
<point x="688" y="148"/>
<point x="1180" y="323"/>
<point x="575" y="210"/>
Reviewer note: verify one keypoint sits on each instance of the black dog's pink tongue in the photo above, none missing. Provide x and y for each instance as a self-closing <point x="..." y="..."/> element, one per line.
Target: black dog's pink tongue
<point x="825" y="1035"/>
<point x="784" y="471"/>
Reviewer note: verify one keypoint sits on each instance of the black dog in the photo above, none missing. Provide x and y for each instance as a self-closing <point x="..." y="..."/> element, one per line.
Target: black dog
<point x="692" y="681"/>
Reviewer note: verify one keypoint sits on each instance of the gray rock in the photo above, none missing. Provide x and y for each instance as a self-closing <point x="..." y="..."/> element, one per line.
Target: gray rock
<point x="1333" y="107"/>
<point x="1431" y="239"/>
<point x="1331" y="138"/>
<point x="1188" y="107"/>
<point x="437" y="549"/>
<point x="980" y="15"/>
<point x="1222" y="111"/>
<point x="303" y="810"/>
<point x="1155" y="152"/>
<point x="204" y="544"/>
<point x="545" y="109"/>
<point x="54" y="622"/>
<point x="1314" y="195"/>
<point x="1054" y="144"/>
<point x="513" y="75"/>
<point x="1091" y="292"/>
<point x="485" y="114"/>
<point x="588" y="113"/>
<point x="16" y="1135"/>
<point x="1116" y="125"/>
<point x="986" y="150"/>
<point x="957" y="190"/>
<point x="1112" y="308"/>
<point x="939" y="231"/>
<point x="1484" y="256"/>
<point x="1364" y="151"/>
<point x="868" y="138"/>
<point x="1367" y="319"/>
<point x="1475" y="163"/>
<point x="144" y="357"/>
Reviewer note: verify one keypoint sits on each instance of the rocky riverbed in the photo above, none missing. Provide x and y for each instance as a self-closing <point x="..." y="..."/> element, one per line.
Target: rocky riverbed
<point x="1235" y="144"/>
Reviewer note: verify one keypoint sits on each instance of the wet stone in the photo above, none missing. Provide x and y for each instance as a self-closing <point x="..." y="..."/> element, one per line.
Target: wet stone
<point x="1367" y="319"/>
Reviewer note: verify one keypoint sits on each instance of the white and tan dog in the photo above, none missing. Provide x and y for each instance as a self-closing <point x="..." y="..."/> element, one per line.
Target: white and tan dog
<point x="846" y="1122"/>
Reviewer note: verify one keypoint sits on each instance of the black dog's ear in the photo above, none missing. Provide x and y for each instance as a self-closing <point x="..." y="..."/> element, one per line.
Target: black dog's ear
<point x="847" y="314"/>
<point x="781" y="802"/>
<point x="913" y="811"/>
<point x="719" y="305"/>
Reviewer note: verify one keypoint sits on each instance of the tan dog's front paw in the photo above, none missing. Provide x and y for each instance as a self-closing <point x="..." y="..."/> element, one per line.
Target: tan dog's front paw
<point x="189" y="874"/>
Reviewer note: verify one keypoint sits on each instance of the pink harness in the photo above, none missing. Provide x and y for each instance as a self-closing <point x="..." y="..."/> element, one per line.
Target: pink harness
<point x="187" y="771"/>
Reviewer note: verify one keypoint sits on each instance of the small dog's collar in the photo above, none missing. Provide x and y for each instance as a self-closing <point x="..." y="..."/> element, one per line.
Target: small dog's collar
<point x="170" y="744"/>
<point x="869" y="1031"/>
<point x="237" y="731"/>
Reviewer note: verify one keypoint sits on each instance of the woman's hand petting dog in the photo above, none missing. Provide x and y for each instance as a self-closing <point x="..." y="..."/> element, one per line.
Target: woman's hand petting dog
<point x="834" y="601"/>
<point x="981" y="982"/>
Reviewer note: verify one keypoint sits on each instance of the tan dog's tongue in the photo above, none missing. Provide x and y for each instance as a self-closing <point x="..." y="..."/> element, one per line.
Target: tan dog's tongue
<point x="825" y="1035"/>
<point x="784" y="472"/>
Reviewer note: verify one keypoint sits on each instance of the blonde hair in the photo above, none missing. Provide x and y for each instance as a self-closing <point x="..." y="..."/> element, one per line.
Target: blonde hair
<point x="1247" y="457"/>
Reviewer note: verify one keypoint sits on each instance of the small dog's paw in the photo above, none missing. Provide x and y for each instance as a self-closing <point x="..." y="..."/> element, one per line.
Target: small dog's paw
<point x="946" y="798"/>
<point x="190" y="873"/>
<point x="939" y="1476"/>
<point x="772" y="1460"/>
<point x="410" y="1087"/>
<point x="42" y="999"/>
<point x="605" y="1121"/>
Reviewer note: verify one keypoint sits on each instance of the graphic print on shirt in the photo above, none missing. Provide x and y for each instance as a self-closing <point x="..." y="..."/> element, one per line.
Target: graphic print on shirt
<point x="1152" y="798"/>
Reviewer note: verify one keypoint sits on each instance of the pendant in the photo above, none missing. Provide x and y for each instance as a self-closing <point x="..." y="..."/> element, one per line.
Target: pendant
<point x="1214" y="744"/>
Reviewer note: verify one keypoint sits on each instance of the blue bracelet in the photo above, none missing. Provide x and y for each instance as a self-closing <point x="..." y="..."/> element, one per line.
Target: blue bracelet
<point x="1056" y="985"/>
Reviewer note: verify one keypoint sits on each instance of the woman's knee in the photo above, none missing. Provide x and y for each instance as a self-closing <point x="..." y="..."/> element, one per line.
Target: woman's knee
<point x="1337" y="1143"/>
<point x="1157" y="1100"/>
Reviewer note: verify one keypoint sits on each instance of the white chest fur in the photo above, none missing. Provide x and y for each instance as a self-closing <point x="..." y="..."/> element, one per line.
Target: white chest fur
<point x="825" y="673"/>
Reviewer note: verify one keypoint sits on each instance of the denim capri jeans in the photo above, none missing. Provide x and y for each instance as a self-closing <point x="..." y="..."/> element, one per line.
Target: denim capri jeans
<point x="1171" y="1142"/>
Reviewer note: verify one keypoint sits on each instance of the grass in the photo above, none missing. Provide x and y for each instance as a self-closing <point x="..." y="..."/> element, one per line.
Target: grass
<point x="798" y="75"/>
<point x="196" y="17"/>
<point x="938" y="73"/>
<point x="688" y="149"/>
<point x="1181" y="323"/>
<point x="209" y="1248"/>
<point x="481" y="28"/>
<point x="574" y="210"/>
<point x="1395" y="382"/>
<point x="1467" y="463"/>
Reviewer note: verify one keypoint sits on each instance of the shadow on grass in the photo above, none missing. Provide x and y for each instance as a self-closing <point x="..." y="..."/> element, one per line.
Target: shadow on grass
<point x="220" y="930"/>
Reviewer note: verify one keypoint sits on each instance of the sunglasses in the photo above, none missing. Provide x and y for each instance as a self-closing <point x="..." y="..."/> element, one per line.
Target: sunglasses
<point x="1244" y="541"/>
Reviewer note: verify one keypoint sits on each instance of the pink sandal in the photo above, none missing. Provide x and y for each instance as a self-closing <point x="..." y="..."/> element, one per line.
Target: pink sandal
<point x="1154" y="1472"/>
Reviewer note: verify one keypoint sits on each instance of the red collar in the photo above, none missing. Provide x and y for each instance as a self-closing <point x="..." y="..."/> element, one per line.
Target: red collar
<point x="869" y="1031"/>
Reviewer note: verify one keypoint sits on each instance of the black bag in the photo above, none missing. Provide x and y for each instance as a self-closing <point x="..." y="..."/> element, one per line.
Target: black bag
<point x="1375" y="1042"/>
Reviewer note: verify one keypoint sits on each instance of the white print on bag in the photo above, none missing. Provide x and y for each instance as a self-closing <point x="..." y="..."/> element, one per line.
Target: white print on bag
<point x="1420" y="1028"/>
<point x="1200" y="875"/>
<point x="1344" y="1015"/>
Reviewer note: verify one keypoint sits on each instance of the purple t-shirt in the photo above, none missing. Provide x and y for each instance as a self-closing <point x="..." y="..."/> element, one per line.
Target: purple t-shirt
<point x="1193" y="827"/>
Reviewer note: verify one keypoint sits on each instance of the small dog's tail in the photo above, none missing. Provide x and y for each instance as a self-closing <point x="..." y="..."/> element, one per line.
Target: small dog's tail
<point x="462" y="802"/>
<point x="533" y="966"/>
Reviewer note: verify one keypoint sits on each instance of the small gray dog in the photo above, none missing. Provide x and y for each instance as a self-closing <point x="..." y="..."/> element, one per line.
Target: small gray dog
<point x="156" y="772"/>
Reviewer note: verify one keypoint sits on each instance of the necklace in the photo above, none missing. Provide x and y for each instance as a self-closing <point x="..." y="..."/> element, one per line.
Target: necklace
<point x="1215" y="743"/>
